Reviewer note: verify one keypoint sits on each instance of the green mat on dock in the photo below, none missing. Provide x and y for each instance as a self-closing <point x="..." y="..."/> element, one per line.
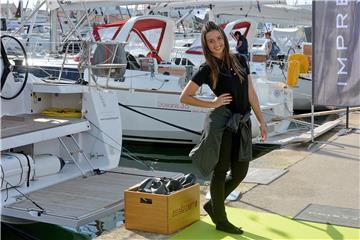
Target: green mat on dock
<point x="266" y="226"/>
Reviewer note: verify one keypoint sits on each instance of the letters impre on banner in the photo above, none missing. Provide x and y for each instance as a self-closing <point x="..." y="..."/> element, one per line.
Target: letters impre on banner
<point x="341" y="24"/>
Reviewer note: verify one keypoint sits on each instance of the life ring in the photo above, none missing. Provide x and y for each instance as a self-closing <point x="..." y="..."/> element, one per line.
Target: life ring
<point x="62" y="112"/>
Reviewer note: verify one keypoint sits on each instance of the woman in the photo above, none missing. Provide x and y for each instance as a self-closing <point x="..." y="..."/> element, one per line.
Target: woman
<point x="268" y="44"/>
<point x="229" y="78"/>
<point x="242" y="44"/>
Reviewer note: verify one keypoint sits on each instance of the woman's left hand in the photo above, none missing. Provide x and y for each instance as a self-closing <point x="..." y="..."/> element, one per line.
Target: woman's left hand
<point x="263" y="132"/>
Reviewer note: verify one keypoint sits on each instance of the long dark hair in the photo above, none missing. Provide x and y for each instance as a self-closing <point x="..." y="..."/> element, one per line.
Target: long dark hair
<point x="228" y="59"/>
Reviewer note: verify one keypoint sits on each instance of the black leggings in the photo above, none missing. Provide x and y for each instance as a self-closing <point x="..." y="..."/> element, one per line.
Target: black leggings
<point x="222" y="185"/>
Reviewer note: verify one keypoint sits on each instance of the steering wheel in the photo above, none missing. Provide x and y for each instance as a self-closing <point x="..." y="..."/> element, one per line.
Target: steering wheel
<point x="14" y="67"/>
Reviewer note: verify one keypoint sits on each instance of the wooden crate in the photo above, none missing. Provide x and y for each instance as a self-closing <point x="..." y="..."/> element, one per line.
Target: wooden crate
<point x="161" y="213"/>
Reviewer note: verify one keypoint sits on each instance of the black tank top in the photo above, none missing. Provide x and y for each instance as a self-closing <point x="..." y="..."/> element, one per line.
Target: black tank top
<point x="228" y="82"/>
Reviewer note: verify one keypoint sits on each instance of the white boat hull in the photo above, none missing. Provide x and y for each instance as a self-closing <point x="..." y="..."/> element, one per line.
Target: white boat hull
<point x="154" y="117"/>
<point x="151" y="110"/>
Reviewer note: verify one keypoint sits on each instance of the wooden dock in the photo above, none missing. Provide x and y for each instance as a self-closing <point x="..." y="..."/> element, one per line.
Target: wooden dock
<point x="327" y="173"/>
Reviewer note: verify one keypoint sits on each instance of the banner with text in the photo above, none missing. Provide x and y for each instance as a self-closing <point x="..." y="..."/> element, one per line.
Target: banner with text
<point x="336" y="53"/>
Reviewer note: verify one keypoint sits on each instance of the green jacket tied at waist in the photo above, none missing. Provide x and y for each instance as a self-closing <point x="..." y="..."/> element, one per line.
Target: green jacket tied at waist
<point x="205" y="155"/>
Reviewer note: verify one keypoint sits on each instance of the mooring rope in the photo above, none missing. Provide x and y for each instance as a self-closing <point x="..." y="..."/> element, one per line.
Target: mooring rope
<point x="159" y="120"/>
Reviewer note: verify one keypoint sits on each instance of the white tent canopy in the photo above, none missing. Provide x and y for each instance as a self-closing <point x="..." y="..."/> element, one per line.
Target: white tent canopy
<point x="262" y="11"/>
<point x="81" y="4"/>
<point x="274" y="10"/>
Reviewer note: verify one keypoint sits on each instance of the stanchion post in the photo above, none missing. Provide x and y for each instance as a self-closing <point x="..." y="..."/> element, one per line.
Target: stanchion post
<point x="312" y="122"/>
<point x="347" y="117"/>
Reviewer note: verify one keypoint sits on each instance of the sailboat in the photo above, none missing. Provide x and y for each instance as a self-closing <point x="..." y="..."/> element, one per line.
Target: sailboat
<point x="60" y="146"/>
<point x="149" y="93"/>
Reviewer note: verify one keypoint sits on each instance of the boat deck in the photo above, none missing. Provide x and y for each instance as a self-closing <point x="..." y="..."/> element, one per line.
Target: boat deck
<point x="81" y="200"/>
<point x="25" y="129"/>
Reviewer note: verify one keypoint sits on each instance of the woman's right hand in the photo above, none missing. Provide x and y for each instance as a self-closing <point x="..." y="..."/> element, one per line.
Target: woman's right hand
<point x="221" y="100"/>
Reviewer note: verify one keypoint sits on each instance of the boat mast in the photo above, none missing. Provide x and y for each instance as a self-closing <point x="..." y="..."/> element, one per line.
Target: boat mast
<point x="54" y="36"/>
<point x="8" y="14"/>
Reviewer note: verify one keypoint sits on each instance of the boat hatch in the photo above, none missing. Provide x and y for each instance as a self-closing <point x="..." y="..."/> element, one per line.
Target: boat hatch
<point x="81" y="200"/>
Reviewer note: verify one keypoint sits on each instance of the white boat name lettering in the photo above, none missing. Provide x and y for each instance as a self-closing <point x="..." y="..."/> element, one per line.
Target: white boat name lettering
<point x="341" y="23"/>
<point x="173" y="105"/>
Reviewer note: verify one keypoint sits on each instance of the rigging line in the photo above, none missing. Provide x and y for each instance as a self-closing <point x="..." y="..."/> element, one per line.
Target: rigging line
<point x="103" y="171"/>
<point x="288" y="118"/>
<point x="127" y="153"/>
<point x="42" y="69"/>
<point x="159" y="120"/>
<point x="134" y="174"/>
<point x="246" y="15"/>
<point x="54" y="70"/>
<point x="115" y="141"/>
<point x="138" y="160"/>
<point x="162" y="82"/>
<point x="21" y="193"/>
<point x="97" y="138"/>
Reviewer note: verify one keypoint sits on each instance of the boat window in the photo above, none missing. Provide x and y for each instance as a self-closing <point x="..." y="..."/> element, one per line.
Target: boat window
<point x="135" y="45"/>
<point x="107" y="33"/>
<point x="153" y="36"/>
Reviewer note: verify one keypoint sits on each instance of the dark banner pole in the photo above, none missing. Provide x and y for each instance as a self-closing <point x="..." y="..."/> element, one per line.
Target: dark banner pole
<point x="347" y="117"/>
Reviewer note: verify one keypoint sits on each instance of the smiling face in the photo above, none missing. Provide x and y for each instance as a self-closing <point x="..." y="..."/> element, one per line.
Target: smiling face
<point x="215" y="43"/>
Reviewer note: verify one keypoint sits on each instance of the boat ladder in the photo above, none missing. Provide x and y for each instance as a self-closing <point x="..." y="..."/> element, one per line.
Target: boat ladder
<point x="75" y="151"/>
